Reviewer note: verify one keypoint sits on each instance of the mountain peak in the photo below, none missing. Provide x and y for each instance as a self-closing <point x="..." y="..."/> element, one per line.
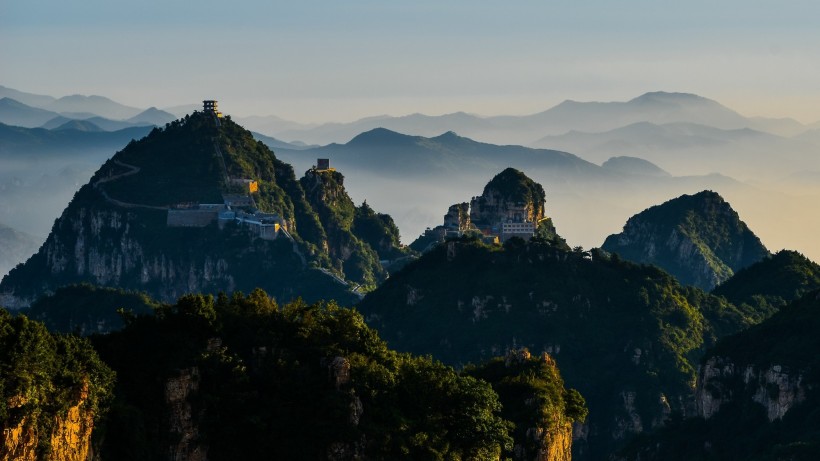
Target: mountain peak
<point x="698" y="238"/>
<point x="669" y="95"/>
<point x="380" y="137"/>
<point x="200" y="206"/>
<point x="634" y="165"/>
<point x="514" y="184"/>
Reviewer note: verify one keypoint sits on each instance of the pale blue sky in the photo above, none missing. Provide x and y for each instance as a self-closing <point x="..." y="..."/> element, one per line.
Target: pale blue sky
<point x="323" y="60"/>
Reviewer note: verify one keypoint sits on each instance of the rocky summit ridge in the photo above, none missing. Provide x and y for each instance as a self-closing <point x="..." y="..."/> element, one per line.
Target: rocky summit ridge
<point x="697" y="238"/>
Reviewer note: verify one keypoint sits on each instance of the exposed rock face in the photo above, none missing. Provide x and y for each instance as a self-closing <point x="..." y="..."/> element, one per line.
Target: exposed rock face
<point x="458" y="217"/>
<point x="699" y="239"/>
<point x="549" y="437"/>
<point x="19" y="442"/>
<point x="776" y="388"/>
<point x="556" y="445"/>
<point x="182" y="422"/>
<point x="69" y="440"/>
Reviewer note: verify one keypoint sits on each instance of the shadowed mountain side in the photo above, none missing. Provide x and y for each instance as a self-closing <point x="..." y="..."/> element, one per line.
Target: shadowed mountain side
<point x="627" y="336"/>
<point x="768" y="285"/>
<point x="756" y="396"/>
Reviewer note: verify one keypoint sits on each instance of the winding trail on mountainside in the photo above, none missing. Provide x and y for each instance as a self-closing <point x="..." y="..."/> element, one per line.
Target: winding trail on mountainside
<point x="132" y="171"/>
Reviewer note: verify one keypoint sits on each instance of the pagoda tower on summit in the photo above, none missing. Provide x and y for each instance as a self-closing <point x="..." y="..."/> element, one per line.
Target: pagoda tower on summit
<point x="210" y="106"/>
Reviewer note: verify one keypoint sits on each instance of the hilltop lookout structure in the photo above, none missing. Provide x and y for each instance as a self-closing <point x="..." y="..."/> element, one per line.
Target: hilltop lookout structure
<point x="210" y="106"/>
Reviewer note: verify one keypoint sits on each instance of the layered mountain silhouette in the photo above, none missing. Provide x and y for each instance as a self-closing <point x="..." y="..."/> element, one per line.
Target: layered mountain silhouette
<point x="387" y="152"/>
<point x="634" y="166"/>
<point x="697" y="238"/>
<point x="71" y="137"/>
<point x="13" y="112"/>
<point x="656" y="108"/>
<point x="97" y="105"/>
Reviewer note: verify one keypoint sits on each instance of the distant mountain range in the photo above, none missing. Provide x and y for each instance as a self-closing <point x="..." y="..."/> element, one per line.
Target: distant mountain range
<point x="15" y="247"/>
<point x="656" y="108"/>
<point x="31" y="111"/>
<point x="692" y="148"/>
<point x="696" y="140"/>
<point x="73" y="136"/>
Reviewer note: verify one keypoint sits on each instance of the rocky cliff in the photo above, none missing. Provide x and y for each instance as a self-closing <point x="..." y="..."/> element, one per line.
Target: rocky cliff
<point x="53" y="391"/>
<point x="356" y="258"/>
<point x="775" y="387"/>
<point x="697" y="238"/>
<point x="772" y="364"/>
<point x="118" y="231"/>
<point x="68" y="440"/>
<point x="756" y="395"/>
<point x="533" y="396"/>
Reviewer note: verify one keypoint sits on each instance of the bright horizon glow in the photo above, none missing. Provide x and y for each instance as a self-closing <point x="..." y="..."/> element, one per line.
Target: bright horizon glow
<point x="320" y="61"/>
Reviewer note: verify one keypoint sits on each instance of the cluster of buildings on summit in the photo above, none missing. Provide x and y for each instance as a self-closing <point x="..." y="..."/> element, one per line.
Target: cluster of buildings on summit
<point x="237" y="206"/>
<point x="494" y="218"/>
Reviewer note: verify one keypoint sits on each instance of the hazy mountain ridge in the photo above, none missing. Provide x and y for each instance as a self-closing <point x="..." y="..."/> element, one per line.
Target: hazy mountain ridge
<point x="65" y="140"/>
<point x="657" y="108"/>
<point x="31" y="111"/>
<point x="634" y="165"/>
<point x="29" y="99"/>
<point x="15" y="247"/>
<point x="99" y="105"/>
<point x="13" y="112"/>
